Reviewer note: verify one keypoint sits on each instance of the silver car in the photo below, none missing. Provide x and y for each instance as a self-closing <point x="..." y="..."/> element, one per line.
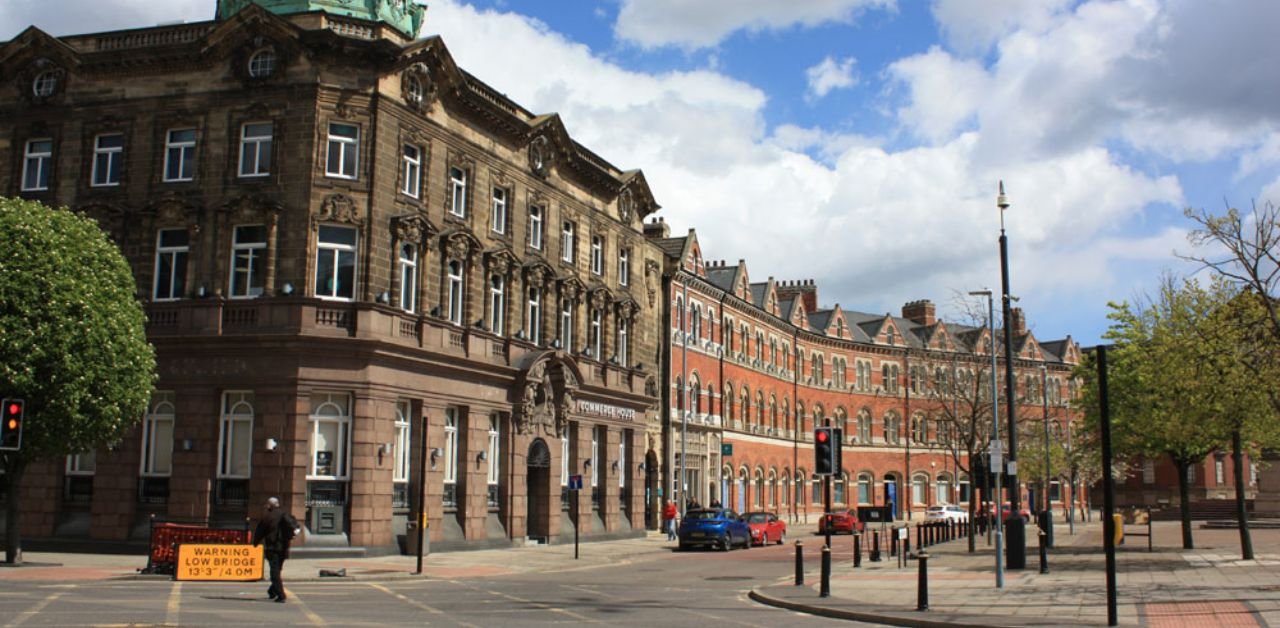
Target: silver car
<point x="946" y="513"/>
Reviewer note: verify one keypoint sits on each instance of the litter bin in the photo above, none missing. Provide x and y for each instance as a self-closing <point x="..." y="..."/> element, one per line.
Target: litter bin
<point x="1118" y="522"/>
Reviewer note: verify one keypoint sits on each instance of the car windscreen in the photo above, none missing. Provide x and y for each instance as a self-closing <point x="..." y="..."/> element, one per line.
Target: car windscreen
<point x="757" y="517"/>
<point x="703" y="515"/>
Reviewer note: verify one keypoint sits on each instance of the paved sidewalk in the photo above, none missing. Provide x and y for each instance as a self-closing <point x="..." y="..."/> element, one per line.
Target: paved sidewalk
<point x="1208" y="586"/>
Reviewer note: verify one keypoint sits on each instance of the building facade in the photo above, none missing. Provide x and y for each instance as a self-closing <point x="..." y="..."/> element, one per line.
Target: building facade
<point x="377" y="288"/>
<point x="755" y="366"/>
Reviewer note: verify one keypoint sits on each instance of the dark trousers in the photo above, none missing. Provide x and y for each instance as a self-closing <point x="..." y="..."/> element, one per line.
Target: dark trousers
<point x="275" y="561"/>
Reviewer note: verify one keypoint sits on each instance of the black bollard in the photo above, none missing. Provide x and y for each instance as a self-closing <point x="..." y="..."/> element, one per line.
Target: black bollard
<point x="799" y="563"/>
<point x="928" y="534"/>
<point x="922" y="583"/>
<point x="875" y="546"/>
<point x="825" y="588"/>
<point x="857" y="550"/>
<point x="1044" y="553"/>
<point x="919" y="536"/>
<point x="893" y="543"/>
<point x="906" y="545"/>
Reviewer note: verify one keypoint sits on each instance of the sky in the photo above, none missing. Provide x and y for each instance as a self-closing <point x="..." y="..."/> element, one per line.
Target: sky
<point x="860" y="143"/>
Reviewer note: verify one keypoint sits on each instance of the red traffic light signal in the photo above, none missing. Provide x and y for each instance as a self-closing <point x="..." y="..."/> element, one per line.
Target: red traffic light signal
<point x="822" y="435"/>
<point x="11" y="424"/>
<point x="823" y="456"/>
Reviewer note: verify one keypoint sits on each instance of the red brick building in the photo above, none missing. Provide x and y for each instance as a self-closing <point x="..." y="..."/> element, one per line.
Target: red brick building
<point x="764" y="362"/>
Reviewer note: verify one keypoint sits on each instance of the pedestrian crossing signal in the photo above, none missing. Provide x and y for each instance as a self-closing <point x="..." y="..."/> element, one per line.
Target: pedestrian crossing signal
<point x="11" y="427"/>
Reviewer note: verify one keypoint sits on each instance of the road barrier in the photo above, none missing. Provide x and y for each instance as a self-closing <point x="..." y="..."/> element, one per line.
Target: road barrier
<point x="162" y="557"/>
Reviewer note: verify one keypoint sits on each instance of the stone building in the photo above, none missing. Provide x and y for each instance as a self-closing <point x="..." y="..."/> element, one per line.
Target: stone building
<point x="755" y="366"/>
<point x="376" y="286"/>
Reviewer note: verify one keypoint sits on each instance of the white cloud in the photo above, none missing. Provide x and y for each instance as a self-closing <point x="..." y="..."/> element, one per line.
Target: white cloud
<point x="73" y="17"/>
<point x="975" y="26"/>
<point x="945" y="93"/>
<point x="704" y="23"/>
<point x="831" y="74"/>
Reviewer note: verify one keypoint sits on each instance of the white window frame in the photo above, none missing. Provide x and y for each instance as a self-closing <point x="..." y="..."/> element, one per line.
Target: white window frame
<point x="255" y="150"/>
<point x="45" y="84"/>
<point x="176" y="255"/>
<point x="182" y="153"/>
<point x="342" y="156"/>
<point x="262" y="64"/>
<point x="84" y="464"/>
<point x="623" y="340"/>
<point x="567" y="232"/>
<point x="597" y="255"/>
<point x="533" y="315"/>
<point x="624" y="266"/>
<point x="235" y="435"/>
<point x="458" y="192"/>
<point x="107" y="161"/>
<point x="408" y="262"/>
<point x="597" y="321"/>
<point x="253" y="255"/>
<point x="535" y="226"/>
<point x="622" y="460"/>
<point x="498" y="304"/>
<point x="411" y="171"/>
<point x="37" y="164"/>
<point x="402" y="452"/>
<point x="157" y="437"/>
<point x="339" y="251"/>
<point x="456" y="290"/>
<point x="564" y="460"/>
<point x="566" y="324"/>
<point x="498" y="210"/>
<point x="331" y="408"/>
<point x="451" y="421"/>
<point x="596" y="462"/>
<point x="495" y="449"/>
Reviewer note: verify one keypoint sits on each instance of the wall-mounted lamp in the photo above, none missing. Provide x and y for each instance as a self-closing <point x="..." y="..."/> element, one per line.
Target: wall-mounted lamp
<point x="479" y="324"/>
<point x="642" y="467"/>
<point x="188" y="444"/>
<point x="519" y="334"/>
<point x="613" y="359"/>
<point x="435" y="453"/>
<point x="639" y="366"/>
<point x="555" y="344"/>
<point x="286" y="289"/>
<point x="615" y="466"/>
<point x="482" y="456"/>
<point x="586" y="463"/>
<point x="384" y="297"/>
<point x="435" y="311"/>
<point x="200" y="292"/>
<point x="387" y="448"/>
<point x="272" y="444"/>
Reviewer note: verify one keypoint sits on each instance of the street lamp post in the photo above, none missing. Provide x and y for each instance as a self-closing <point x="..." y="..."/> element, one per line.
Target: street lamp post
<point x="1015" y="527"/>
<point x="1046" y="519"/>
<point x="995" y="462"/>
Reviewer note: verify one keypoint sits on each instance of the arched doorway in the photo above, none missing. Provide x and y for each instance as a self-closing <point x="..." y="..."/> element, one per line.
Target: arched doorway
<point x="538" y="520"/>
<point x="892" y="494"/>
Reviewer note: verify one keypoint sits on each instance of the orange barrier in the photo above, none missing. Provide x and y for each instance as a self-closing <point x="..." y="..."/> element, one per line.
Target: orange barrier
<point x="165" y="537"/>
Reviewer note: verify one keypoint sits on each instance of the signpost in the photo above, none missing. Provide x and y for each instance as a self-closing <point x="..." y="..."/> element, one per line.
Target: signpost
<point x="198" y="561"/>
<point x="575" y="487"/>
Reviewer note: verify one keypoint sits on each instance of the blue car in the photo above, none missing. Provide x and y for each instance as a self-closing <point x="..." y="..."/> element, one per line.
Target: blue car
<point x="715" y="527"/>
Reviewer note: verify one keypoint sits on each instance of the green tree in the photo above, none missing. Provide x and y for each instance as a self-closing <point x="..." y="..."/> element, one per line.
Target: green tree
<point x="72" y="341"/>
<point x="1162" y="390"/>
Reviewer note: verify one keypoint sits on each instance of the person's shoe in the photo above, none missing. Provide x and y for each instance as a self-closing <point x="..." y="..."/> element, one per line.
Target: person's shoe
<point x="280" y="598"/>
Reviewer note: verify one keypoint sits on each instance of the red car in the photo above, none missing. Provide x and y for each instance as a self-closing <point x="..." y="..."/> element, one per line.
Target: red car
<point x="840" y="521"/>
<point x="1006" y="511"/>
<point x="766" y="528"/>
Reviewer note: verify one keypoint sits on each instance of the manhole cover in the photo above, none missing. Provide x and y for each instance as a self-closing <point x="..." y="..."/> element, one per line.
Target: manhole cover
<point x="729" y="578"/>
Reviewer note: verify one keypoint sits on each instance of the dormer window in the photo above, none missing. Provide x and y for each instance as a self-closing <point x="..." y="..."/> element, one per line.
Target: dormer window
<point x="45" y="84"/>
<point x="262" y="64"/>
<point x="413" y="90"/>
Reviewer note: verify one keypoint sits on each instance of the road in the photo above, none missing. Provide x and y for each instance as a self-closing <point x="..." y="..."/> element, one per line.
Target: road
<point x="661" y="588"/>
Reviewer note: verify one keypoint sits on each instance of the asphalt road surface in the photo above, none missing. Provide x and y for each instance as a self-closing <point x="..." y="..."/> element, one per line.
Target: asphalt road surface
<point x="701" y="588"/>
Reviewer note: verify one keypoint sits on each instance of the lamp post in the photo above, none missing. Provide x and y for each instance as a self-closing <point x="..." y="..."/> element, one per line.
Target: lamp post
<point x="1046" y="519"/>
<point x="684" y="393"/>
<point x="995" y="462"/>
<point x="1015" y="527"/>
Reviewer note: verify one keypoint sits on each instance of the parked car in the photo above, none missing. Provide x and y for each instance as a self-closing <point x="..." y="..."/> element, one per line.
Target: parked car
<point x="946" y="513"/>
<point x="714" y="527"/>
<point x="840" y="521"/>
<point x="1005" y="512"/>
<point x="766" y="528"/>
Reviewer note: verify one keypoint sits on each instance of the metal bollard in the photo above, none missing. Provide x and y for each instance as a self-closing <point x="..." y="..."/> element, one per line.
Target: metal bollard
<point x="825" y="587"/>
<point x="906" y="545"/>
<point x="893" y="543"/>
<point x="919" y="536"/>
<point x="875" y="546"/>
<point x="1044" y="553"/>
<point x="799" y="563"/>
<point x="922" y="583"/>
<point x="928" y="534"/>
<point x="857" y="550"/>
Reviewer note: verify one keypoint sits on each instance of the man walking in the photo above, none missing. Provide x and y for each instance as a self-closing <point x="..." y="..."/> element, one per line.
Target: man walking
<point x="274" y="532"/>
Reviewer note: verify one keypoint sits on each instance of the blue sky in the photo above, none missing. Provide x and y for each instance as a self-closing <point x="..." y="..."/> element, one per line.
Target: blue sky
<point x="859" y="142"/>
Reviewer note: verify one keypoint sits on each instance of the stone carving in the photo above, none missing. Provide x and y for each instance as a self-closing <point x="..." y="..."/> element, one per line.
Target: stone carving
<point x="500" y="262"/>
<point x="417" y="87"/>
<point x="540" y="156"/>
<point x="651" y="270"/>
<point x="411" y="229"/>
<point x="339" y="208"/>
<point x="626" y="206"/>
<point x="458" y="247"/>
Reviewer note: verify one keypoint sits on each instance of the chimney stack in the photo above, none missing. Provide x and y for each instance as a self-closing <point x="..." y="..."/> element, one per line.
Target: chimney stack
<point x="1018" y="321"/>
<point x="922" y="312"/>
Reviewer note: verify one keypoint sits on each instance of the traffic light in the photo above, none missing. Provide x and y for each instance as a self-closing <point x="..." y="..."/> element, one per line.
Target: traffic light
<point x="11" y="428"/>
<point x="824" y="451"/>
<point x="837" y="451"/>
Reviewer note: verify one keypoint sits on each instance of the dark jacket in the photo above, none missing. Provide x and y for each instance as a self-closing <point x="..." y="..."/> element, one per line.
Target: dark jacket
<point x="274" y="532"/>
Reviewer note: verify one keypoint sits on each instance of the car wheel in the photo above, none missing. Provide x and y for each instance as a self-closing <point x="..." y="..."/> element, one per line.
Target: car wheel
<point x="764" y="539"/>
<point x="682" y="547"/>
<point x="726" y="544"/>
<point x="782" y="538"/>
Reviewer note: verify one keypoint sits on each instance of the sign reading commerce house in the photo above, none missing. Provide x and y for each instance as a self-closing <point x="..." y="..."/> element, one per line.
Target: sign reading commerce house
<point x="605" y="410"/>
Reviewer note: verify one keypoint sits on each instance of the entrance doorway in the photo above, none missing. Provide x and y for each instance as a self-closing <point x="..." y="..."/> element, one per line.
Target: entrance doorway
<point x="538" y="476"/>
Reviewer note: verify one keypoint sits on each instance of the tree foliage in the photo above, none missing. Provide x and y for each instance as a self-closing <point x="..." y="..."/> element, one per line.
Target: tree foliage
<point x="72" y="336"/>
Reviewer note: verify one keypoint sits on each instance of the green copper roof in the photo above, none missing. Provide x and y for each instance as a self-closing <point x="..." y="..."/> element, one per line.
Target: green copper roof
<point x="402" y="15"/>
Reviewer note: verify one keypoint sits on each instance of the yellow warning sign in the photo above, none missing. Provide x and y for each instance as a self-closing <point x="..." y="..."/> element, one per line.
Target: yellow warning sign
<point x="219" y="562"/>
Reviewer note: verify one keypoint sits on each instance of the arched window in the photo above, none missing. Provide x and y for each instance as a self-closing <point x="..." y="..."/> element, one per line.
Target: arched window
<point x="842" y="422"/>
<point x="773" y="413"/>
<point x="920" y="489"/>
<point x="772" y="489"/>
<point x="837" y="489"/>
<point x="799" y="483"/>
<point x="695" y="392"/>
<point x="864" y="427"/>
<point x="892" y="428"/>
<point x="942" y="489"/>
<point x="800" y="423"/>
<point x="758" y="502"/>
<point x="785" y="488"/>
<point x="760" y="408"/>
<point x="786" y="414"/>
<point x="864" y="488"/>
<point x="728" y="401"/>
<point x="711" y="395"/>
<point x="746" y="406"/>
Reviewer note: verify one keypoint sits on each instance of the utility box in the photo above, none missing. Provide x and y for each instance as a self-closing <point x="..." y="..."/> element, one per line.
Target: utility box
<point x="326" y="520"/>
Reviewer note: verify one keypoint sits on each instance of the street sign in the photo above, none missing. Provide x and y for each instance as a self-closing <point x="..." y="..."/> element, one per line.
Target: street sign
<point x="575" y="482"/>
<point x="726" y="449"/>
